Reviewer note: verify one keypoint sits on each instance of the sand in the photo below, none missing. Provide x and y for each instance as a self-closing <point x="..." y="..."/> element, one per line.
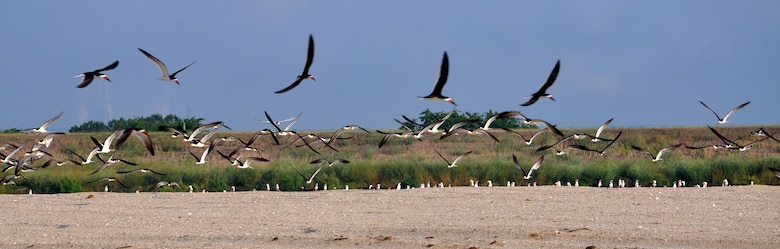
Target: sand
<point x="459" y="217"/>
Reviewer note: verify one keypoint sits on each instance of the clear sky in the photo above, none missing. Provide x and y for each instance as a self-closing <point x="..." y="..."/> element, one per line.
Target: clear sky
<point x="645" y="63"/>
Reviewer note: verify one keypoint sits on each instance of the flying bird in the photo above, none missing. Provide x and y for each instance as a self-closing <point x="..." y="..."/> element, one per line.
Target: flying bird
<point x="110" y="179"/>
<point x="542" y="93"/>
<point x="454" y="162"/>
<point x="443" y="72"/>
<point x="286" y="131"/>
<point x="109" y="162"/>
<point x="164" y="69"/>
<point x="89" y="76"/>
<point x="330" y="163"/>
<point x="660" y="153"/>
<point x="202" y="158"/>
<point x="141" y="170"/>
<point x="310" y="178"/>
<point x="140" y="134"/>
<point x="305" y="74"/>
<point x="42" y="128"/>
<point x="528" y="141"/>
<point x="164" y="183"/>
<point x="725" y="118"/>
<point x="775" y="171"/>
<point x="535" y="167"/>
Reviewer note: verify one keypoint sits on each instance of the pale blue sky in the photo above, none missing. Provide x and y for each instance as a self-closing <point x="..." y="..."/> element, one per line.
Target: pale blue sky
<point x="645" y="63"/>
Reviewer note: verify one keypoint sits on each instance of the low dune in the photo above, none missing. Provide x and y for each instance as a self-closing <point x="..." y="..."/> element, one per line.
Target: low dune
<point x="458" y="217"/>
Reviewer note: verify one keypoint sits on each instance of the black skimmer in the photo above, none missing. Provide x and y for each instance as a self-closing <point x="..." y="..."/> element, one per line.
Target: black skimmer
<point x="535" y="167"/>
<point x="36" y="152"/>
<point x="239" y="163"/>
<point x="775" y="171"/>
<point x="598" y="137"/>
<point x="601" y="152"/>
<point x="105" y="146"/>
<point x="454" y="162"/>
<point x="109" y="179"/>
<point x="660" y="153"/>
<point x="310" y="178"/>
<point x="42" y="128"/>
<point x="390" y="135"/>
<point x="256" y="135"/>
<point x="85" y="161"/>
<point x="725" y="118"/>
<point x="202" y="158"/>
<point x="141" y="170"/>
<point x="52" y="161"/>
<point x="164" y="183"/>
<point x="305" y="74"/>
<point x="477" y="131"/>
<point x="48" y="138"/>
<point x="443" y="73"/>
<point x="354" y="127"/>
<point x="110" y="161"/>
<point x="502" y="115"/>
<point x="565" y="150"/>
<point x="528" y="141"/>
<point x="8" y="159"/>
<point x="456" y="128"/>
<point x="89" y="76"/>
<point x="286" y="131"/>
<point x="204" y="141"/>
<point x="330" y="163"/>
<point x="164" y="69"/>
<point x="542" y="93"/>
<point x="547" y="125"/>
<point x="140" y="134"/>
<point x="189" y="137"/>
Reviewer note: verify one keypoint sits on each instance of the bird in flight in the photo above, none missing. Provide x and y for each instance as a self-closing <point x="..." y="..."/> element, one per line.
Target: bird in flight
<point x="42" y="128"/>
<point x="454" y="162"/>
<point x="542" y="93"/>
<point x="443" y="73"/>
<point x="725" y="118"/>
<point x="89" y="76"/>
<point x="164" y="69"/>
<point x="305" y="74"/>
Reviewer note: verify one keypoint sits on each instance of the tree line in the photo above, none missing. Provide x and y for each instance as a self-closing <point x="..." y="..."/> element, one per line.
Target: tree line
<point x="150" y="123"/>
<point x="427" y="117"/>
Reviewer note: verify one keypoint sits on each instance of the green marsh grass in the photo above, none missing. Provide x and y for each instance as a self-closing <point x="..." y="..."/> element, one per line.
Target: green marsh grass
<point x="408" y="161"/>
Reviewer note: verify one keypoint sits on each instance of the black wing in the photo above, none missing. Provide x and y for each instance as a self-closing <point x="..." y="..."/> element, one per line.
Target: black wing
<point x="551" y="79"/>
<point x="290" y="87"/>
<point x="443" y="74"/>
<point x="309" y="57"/>
<point x="173" y="76"/>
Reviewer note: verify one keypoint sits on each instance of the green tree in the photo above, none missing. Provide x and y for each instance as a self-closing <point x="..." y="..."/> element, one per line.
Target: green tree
<point x="151" y="123"/>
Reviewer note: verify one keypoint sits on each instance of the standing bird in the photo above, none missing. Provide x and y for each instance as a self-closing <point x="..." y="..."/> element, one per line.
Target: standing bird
<point x="542" y="93"/>
<point x="164" y="69"/>
<point x="454" y="162"/>
<point x="89" y="76"/>
<point x="725" y="118"/>
<point x="305" y="74"/>
<point x="443" y="73"/>
<point x="42" y="128"/>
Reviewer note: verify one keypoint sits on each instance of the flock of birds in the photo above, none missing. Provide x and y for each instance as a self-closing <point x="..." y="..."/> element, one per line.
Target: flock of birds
<point x="242" y="158"/>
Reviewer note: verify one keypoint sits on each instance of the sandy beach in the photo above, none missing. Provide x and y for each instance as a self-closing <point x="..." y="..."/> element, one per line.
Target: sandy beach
<point x="459" y="217"/>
